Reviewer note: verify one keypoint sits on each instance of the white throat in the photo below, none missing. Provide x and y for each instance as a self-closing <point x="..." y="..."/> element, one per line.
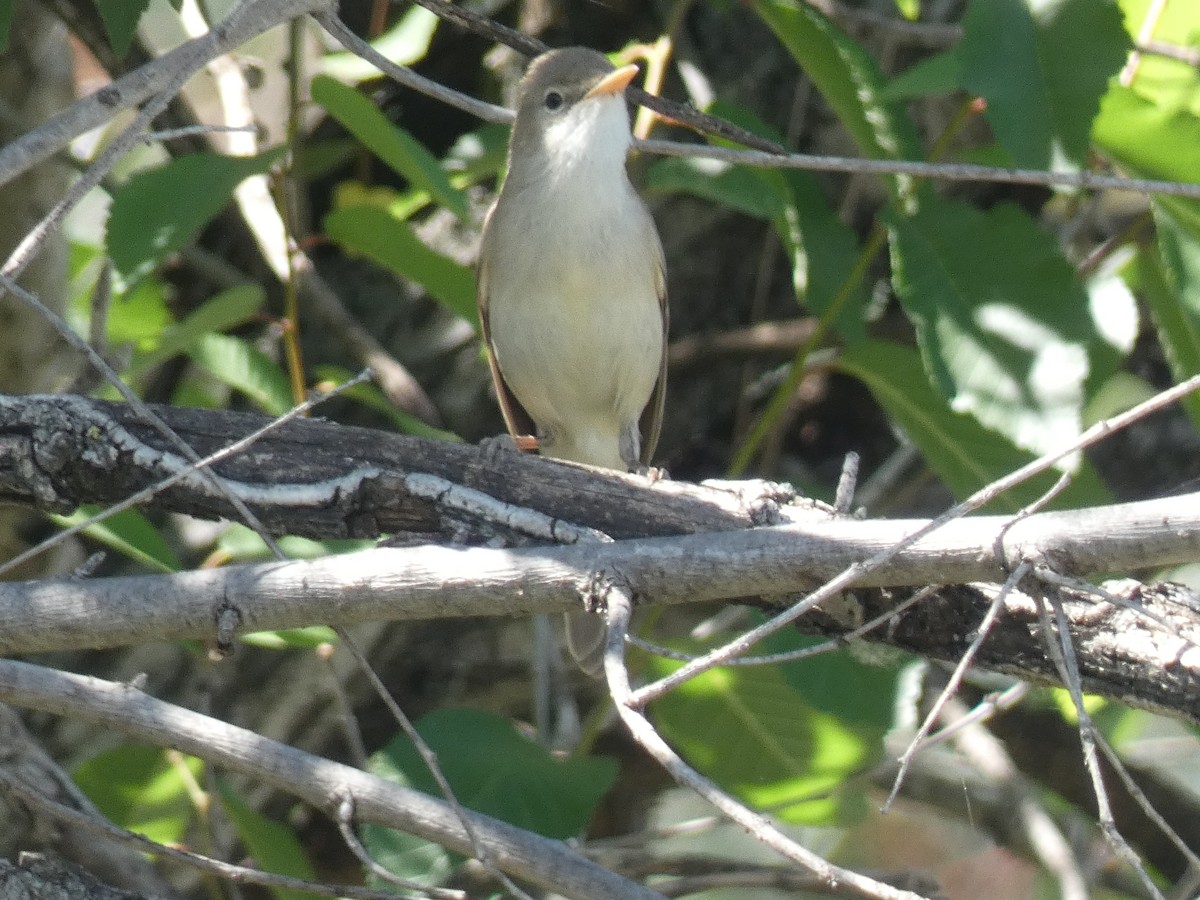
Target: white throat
<point x="590" y="142"/>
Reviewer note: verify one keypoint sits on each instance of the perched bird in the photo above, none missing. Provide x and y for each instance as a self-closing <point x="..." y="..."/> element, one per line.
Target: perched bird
<point x="572" y="289"/>
<point x="571" y="283"/>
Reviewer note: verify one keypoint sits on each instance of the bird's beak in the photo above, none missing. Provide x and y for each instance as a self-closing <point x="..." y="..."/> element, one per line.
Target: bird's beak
<point x="613" y="82"/>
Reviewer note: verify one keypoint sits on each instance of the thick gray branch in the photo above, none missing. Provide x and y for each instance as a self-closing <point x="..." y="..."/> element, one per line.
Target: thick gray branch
<point x="318" y="781"/>
<point x="322" y="479"/>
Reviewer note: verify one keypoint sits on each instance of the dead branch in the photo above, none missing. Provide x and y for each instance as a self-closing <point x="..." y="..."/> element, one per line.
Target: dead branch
<point x="676" y="543"/>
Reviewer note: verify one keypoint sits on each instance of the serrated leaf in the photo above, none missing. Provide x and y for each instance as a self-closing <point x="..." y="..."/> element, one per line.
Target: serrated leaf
<point x="404" y="43"/>
<point x="374" y="233"/>
<point x="495" y="769"/>
<point x="849" y="80"/>
<point x="964" y="454"/>
<point x="242" y="366"/>
<point x="396" y="147"/>
<point x="1042" y="66"/>
<point x="120" y="18"/>
<point x="1000" y="319"/>
<point x="128" y="532"/>
<point x="753" y="734"/>
<point x="273" y="846"/>
<point x="137" y="788"/>
<point x="160" y="211"/>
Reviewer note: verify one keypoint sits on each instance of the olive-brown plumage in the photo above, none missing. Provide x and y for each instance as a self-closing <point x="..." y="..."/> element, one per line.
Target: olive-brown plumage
<point x="571" y="285"/>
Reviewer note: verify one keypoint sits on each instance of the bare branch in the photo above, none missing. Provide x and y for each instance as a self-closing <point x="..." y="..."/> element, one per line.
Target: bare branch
<point x="247" y="20"/>
<point x="320" y="782"/>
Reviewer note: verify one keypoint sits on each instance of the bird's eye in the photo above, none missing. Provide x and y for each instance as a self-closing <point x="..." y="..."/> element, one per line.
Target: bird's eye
<point x="553" y="100"/>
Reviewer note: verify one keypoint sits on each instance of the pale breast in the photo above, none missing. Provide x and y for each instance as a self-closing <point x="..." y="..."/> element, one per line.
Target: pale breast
<point x="582" y="298"/>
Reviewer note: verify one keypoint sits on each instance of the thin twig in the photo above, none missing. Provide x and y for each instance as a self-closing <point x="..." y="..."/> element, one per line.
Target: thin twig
<point x="619" y="604"/>
<point x="1062" y="652"/>
<point x="430" y="759"/>
<point x="852" y="573"/>
<point x="943" y="171"/>
<point x="960" y="670"/>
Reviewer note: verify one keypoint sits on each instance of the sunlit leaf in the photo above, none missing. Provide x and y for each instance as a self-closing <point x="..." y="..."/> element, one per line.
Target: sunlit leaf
<point x="376" y="234"/>
<point x="128" y="532"/>
<point x="160" y="211"/>
<point x="1042" y="82"/>
<point x="1000" y="319"/>
<point x="138" y="788"/>
<point x="849" y="80"/>
<point x="396" y="147"/>
<point x="404" y="43"/>
<point x="964" y="454"/>
<point x="244" y="367"/>
<point x="753" y="733"/>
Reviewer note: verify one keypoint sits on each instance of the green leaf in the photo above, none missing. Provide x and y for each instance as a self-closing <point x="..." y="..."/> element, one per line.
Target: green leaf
<point x="120" y="18"/>
<point x="138" y="788"/>
<point x="849" y="80"/>
<point x="407" y="856"/>
<point x="940" y="74"/>
<point x="822" y="680"/>
<point x="273" y="845"/>
<point x="1042" y="67"/>
<point x="1166" y="82"/>
<point x="1000" y="319"/>
<point x="405" y="43"/>
<point x="160" y="211"/>
<point x="238" y="543"/>
<point x="128" y="532"/>
<point x="1152" y="141"/>
<point x="242" y="366"/>
<point x="753" y="734"/>
<point x="6" y="16"/>
<point x="910" y="9"/>
<point x="964" y="454"/>
<point x="291" y="638"/>
<point x="374" y="233"/>
<point x="396" y="147"/>
<point x="232" y="307"/>
<point x="495" y="769"/>
<point x="754" y="192"/>
<point x="1169" y="283"/>
<point x="824" y="255"/>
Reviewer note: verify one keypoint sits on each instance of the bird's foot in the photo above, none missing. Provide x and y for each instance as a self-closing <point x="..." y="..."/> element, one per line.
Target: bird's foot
<point x="498" y="444"/>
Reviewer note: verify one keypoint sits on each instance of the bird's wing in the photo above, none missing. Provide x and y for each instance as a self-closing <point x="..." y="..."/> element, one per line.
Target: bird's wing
<point x="519" y="423"/>
<point x="652" y="416"/>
